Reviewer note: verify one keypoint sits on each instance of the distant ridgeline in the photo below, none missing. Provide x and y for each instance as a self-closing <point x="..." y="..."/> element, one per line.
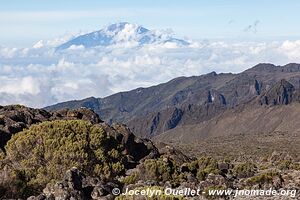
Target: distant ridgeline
<point x="184" y="104"/>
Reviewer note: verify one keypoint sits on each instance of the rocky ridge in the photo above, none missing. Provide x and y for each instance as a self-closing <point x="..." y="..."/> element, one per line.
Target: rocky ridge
<point x="191" y="100"/>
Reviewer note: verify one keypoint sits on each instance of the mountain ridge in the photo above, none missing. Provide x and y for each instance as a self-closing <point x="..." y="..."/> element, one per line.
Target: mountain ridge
<point x="235" y="123"/>
<point x="186" y="100"/>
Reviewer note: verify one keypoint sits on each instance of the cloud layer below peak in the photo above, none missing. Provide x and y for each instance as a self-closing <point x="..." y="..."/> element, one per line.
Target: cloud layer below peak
<point x="40" y="76"/>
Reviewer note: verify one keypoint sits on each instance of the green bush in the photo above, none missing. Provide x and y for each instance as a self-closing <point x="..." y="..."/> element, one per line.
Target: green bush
<point x="205" y="162"/>
<point x="244" y="170"/>
<point x="45" y="151"/>
<point x="204" y="166"/>
<point x="133" y="178"/>
<point x="287" y="165"/>
<point x="158" y="170"/>
<point x="193" y="166"/>
<point x="2" y="156"/>
<point x="295" y="166"/>
<point x="263" y="178"/>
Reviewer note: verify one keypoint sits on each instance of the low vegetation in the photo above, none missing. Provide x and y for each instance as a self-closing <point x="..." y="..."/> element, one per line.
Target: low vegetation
<point x="244" y="170"/>
<point x="44" y="152"/>
<point x="265" y="177"/>
<point x="41" y="154"/>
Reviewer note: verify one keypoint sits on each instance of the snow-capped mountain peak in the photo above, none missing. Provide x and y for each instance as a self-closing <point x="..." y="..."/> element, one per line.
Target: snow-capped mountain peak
<point x="114" y="29"/>
<point x="119" y="33"/>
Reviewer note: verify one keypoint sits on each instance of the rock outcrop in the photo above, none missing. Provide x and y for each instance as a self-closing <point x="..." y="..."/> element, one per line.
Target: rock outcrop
<point x="282" y="93"/>
<point x="77" y="186"/>
<point x="15" y="118"/>
<point x="68" y="136"/>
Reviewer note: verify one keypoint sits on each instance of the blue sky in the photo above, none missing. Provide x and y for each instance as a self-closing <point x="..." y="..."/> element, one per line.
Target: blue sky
<point x="25" y="22"/>
<point x="226" y="36"/>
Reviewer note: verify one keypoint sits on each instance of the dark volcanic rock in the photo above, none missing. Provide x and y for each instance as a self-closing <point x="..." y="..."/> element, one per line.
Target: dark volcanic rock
<point x="134" y="146"/>
<point x="80" y="113"/>
<point x="175" y="118"/>
<point x="282" y="93"/>
<point x="15" y="118"/>
<point x="78" y="187"/>
<point x="150" y="111"/>
<point x="155" y="122"/>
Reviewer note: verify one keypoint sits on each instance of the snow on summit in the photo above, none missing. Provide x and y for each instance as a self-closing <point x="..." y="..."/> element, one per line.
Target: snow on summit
<point x="122" y="33"/>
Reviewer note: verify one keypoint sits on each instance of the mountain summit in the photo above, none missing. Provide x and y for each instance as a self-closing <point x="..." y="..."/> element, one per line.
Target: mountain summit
<point x="122" y="33"/>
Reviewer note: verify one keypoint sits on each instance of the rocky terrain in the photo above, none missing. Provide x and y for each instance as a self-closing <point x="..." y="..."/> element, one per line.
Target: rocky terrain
<point x="266" y="123"/>
<point x="73" y="154"/>
<point x="35" y="154"/>
<point x="15" y="118"/>
<point x="215" y="131"/>
<point x="277" y="172"/>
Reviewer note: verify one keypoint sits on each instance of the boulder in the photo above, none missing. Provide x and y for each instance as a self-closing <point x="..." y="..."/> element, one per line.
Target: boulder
<point x="77" y="186"/>
<point x="16" y="118"/>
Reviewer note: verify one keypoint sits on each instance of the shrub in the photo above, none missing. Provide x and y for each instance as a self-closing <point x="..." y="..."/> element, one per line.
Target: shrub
<point x="288" y="164"/>
<point x="45" y="151"/>
<point x="2" y="156"/>
<point x="193" y="166"/>
<point x="263" y="178"/>
<point x="158" y="170"/>
<point x="244" y="170"/>
<point x="131" y="179"/>
<point x="295" y="166"/>
<point x="203" y="167"/>
<point x="207" y="162"/>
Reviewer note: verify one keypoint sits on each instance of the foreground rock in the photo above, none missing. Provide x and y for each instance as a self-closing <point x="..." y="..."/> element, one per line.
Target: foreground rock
<point x="15" y="118"/>
<point x="40" y="154"/>
<point x="77" y="186"/>
<point x="110" y="156"/>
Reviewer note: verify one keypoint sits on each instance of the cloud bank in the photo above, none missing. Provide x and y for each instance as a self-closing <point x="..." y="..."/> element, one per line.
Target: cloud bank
<point x="40" y="76"/>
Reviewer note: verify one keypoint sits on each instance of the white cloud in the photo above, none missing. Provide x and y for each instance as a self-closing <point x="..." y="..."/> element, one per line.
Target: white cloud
<point x="38" y="45"/>
<point x="39" y="76"/>
<point x="24" y="85"/>
<point x="291" y="49"/>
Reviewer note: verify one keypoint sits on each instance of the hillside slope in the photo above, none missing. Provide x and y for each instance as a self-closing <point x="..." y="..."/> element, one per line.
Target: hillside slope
<point x="185" y="100"/>
<point x="267" y="123"/>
